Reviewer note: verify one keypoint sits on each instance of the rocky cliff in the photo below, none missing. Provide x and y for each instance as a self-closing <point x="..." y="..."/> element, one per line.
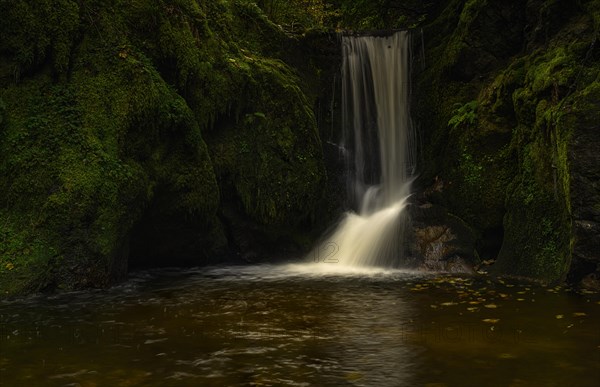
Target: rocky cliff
<point x="144" y="133"/>
<point x="508" y="101"/>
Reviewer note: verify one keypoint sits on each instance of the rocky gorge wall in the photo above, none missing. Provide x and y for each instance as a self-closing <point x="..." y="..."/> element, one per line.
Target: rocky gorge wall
<point x="153" y="133"/>
<point x="149" y="133"/>
<point x="508" y="103"/>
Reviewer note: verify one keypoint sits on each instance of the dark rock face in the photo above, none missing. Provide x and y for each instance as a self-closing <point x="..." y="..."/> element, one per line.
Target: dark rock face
<point x="584" y="160"/>
<point x="508" y="103"/>
<point x="487" y="34"/>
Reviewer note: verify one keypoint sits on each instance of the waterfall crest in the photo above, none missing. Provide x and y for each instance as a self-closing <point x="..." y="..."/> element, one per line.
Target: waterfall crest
<point x="380" y="159"/>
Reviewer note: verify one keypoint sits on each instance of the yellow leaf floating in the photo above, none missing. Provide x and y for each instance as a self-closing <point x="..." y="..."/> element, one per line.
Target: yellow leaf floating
<point x="491" y="320"/>
<point x="448" y="303"/>
<point x="353" y="376"/>
<point x="579" y="314"/>
<point x="472" y="309"/>
<point x="10" y="266"/>
<point x="491" y="306"/>
<point x="520" y="299"/>
<point x="559" y="316"/>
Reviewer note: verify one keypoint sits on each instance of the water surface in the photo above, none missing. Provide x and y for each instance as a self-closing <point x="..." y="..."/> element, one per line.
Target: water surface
<point x="302" y="325"/>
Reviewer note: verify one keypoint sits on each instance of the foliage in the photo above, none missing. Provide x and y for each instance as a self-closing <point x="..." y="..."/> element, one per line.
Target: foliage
<point x="33" y="32"/>
<point x="464" y="114"/>
<point x="299" y="15"/>
<point x="382" y="14"/>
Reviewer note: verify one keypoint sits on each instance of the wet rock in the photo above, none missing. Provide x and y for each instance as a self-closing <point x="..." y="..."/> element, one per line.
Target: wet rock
<point x="584" y="160"/>
<point x="590" y="282"/>
<point x="441" y="241"/>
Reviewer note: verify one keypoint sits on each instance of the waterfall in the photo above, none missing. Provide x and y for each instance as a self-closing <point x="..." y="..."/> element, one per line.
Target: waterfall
<point x="380" y="159"/>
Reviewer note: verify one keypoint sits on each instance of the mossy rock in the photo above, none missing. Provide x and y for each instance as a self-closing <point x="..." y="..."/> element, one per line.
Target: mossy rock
<point x="514" y="167"/>
<point x="272" y="155"/>
<point x="104" y="109"/>
<point x="91" y="153"/>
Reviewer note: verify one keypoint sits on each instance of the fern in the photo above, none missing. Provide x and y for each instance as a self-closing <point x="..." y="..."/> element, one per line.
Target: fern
<point x="466" y="113"/>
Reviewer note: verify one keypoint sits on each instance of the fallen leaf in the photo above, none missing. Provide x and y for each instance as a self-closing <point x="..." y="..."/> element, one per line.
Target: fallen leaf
<point x="579" y="314"/>
<point x="491" y="306"/>
<point x="559" y="316"/>
<point x="448" y="303"/>
<point x="354" y="376"/>
<point x="491" y="320"/>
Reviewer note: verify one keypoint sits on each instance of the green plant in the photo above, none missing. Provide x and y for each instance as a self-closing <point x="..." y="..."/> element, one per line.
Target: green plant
<point x="299" y="14"/>
<point x="466" y="113"/>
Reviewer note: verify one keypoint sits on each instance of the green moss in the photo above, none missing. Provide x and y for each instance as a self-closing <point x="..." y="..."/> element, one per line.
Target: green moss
<point x="556" y="68"/>
<point x="89" y="154"/>
<point x="512" y="168"/>
<point x="457" y="43"/>
<point x="593" y="8"/>
<point x="538" y="231"/>
<point x="34" y="32"/>
<point x="26" y="258"/>
<point x="273" y="153"/>
<point x="538" y="242"/>
<point x="105" y="108"/>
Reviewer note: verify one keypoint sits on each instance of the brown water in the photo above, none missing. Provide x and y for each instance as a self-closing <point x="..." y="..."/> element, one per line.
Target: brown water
<point x="273" y="326"/>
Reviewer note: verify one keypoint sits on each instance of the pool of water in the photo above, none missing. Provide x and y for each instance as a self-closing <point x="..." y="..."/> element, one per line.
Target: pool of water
<point x="298" y="325"/>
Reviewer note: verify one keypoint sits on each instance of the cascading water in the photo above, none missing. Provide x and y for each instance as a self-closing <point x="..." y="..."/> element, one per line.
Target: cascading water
<point x="378" y="140"/>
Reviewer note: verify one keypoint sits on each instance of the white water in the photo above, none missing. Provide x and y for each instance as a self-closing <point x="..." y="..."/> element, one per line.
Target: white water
<point x="378" y="139"/>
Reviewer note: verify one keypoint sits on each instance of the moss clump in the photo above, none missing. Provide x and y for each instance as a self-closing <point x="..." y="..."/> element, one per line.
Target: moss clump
<point x="272" y="154"/>
<point x="82" y="159"/>
<point x="540" y="237"/>
<point x="35" y="33"/>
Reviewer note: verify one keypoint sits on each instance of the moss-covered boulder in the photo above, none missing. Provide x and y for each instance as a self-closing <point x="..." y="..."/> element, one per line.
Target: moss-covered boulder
<point x="104" y="112"/>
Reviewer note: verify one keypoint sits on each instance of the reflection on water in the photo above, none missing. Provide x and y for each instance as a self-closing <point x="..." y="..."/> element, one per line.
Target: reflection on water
<point x="298" y="326"/>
